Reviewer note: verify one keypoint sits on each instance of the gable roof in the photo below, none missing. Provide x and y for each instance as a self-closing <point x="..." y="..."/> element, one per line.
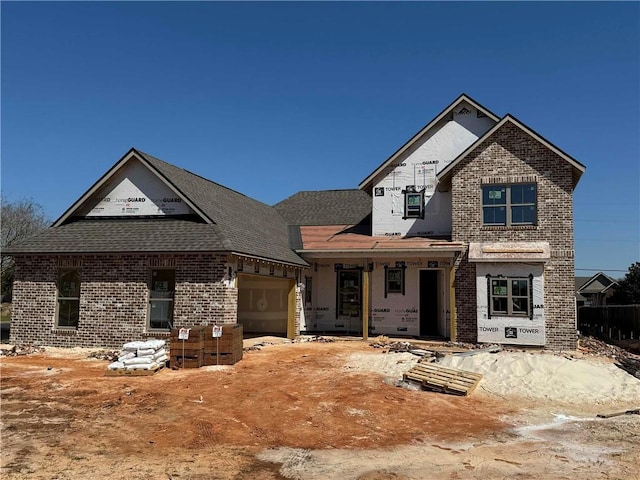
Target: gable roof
<point x="237" y="223"/>
<point x="462" y="98"/>
<point x="599" y="283"/>
<point x="325" y="207"/>
<point x="578" y="168"/>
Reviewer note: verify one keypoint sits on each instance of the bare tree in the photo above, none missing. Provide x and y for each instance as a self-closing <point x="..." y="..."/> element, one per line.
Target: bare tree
<point x="20" y="220"/>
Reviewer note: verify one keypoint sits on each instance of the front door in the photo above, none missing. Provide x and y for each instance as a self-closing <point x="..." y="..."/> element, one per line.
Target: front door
<point x="429" y="303"/>
<point x="349" y="300"/>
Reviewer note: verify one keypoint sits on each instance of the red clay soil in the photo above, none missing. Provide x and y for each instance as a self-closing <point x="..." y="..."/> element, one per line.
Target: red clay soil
<point x="63" y="418"/>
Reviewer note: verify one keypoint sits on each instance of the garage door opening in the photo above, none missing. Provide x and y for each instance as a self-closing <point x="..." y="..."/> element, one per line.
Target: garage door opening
<point x="264" y="304"/>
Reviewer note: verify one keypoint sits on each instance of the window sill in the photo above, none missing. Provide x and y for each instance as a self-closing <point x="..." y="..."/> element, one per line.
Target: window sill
<point x="157" y="333"/>
<point x="488" y="228"/>
<point x="65" y="331"/>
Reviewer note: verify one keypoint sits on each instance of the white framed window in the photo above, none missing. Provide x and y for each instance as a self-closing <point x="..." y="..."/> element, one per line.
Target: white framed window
<point x="509" y="204"/>
<point x="161" y="295"/>
<point x="68" y="314"/>
<point x="413" y="202"/>
<point x="394" y="278"/>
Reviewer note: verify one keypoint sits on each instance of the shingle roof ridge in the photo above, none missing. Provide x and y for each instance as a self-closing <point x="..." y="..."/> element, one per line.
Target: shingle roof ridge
<point x="208" y="180"/>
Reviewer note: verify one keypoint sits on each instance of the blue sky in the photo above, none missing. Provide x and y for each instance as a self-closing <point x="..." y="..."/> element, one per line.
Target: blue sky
<point x="273" y="98"/>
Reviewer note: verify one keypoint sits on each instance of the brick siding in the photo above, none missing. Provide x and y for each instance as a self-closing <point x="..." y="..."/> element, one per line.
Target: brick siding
<point x="509" y="156"/>
<point x="114" y="297"/>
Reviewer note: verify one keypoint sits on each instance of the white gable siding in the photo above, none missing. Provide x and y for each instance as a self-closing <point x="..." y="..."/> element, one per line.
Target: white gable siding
<point x="134" y="191"/>
<point x="419" y="167"/>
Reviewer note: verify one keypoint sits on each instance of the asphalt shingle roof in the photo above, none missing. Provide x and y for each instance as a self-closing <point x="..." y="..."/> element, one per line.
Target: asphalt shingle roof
<point x="326" y="207"/>
<point x="240" y="224"/>
<point x="244" y="225"/>
<point x="124" y="235"/>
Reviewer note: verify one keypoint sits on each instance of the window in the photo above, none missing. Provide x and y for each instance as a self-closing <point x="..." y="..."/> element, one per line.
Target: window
<point x="162" y="288"/>
<point x="510" y="296"/>
<point x="509" y="204"/>
<point x="68" y="298"/>
<point x="413" y="202"/>
<point x="394" y="279"/>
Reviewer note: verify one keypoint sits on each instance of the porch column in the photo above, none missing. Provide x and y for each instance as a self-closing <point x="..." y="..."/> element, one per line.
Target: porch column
<point x="291" y="310"/>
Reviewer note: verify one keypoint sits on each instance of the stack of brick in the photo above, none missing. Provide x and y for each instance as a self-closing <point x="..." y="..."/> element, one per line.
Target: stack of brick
<point x="147" y="355"/>
<point x="224" y="350"/>
<point x="187" y="353"/>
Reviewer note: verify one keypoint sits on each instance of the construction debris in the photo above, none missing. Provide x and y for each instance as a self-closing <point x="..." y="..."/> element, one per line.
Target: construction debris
<point x="594" y="346"/>
<point x="18" y="350"/>
<point x="314" y="338"/>
<point x="108" y="355"/>
<point x="635" y="411"/>
<point x="630" y="365"/>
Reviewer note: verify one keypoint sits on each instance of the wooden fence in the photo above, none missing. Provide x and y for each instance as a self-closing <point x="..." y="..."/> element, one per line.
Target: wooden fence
<point x="620" y="322"/>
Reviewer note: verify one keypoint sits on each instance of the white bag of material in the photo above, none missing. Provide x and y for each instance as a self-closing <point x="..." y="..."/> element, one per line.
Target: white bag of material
<point x="159" y="353"/>
<point x="146" y="352"/>
<point x="154" y="343"/>
<point x="124" y="355"/>
<point x="161" y="360"/>
<point x="138" y="361"/>
<point x="133" y="346"/>
<point x="115" y="366"/>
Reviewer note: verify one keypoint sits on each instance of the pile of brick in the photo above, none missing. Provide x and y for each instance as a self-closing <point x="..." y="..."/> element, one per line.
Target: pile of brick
<point x="187" y="352"/>
<point x="147" y="355"/>
<point x="201" y="348"/>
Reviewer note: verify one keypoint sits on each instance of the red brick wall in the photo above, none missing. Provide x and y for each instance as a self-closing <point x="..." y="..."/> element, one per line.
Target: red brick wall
<point x="114" y="297"/>
<point x="511" y="156"/>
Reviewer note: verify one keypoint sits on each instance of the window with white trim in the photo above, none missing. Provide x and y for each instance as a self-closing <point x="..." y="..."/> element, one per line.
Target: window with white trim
<point x="161" y="294"/>
<point x="394" y="278"/>
<point x="413" y="202"/>
<point x="68" y="314"/>
<point x="509" y="204"/>
<point x="510" y="296"/>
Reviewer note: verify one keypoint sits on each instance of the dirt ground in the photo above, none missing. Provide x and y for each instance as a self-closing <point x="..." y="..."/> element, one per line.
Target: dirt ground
<point x="295" y="411"/>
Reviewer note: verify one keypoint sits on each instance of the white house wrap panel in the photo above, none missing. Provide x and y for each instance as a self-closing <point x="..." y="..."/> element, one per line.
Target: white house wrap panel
<point x="418" y="168"/>
<point x="135" y="191"/>
<point x="519" y="330"/>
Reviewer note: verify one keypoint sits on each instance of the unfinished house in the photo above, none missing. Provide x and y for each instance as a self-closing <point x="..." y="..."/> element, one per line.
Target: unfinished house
<point x="464" y="233"/>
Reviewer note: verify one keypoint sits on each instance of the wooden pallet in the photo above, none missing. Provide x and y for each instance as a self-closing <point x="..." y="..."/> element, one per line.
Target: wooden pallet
<point x="442" y="379"/>
<point x="133" y="371"/>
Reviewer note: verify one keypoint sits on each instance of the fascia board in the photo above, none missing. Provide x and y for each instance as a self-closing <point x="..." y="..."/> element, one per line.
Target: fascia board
<point x="170" y="184"/>
<point x="578" y="167"/>
<point x="94" y="188"/>
<point x="381" y="252"/>
<point x="270" y="260"/>
<point x="132" y="153"/>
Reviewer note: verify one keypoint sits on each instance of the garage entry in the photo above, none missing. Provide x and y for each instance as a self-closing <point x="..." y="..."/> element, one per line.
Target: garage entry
<point x="266" y="305"/>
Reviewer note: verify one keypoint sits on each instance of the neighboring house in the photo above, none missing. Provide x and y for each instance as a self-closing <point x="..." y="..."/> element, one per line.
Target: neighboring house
<point x="594" y="291"/>
<point x="465" y="233"/>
